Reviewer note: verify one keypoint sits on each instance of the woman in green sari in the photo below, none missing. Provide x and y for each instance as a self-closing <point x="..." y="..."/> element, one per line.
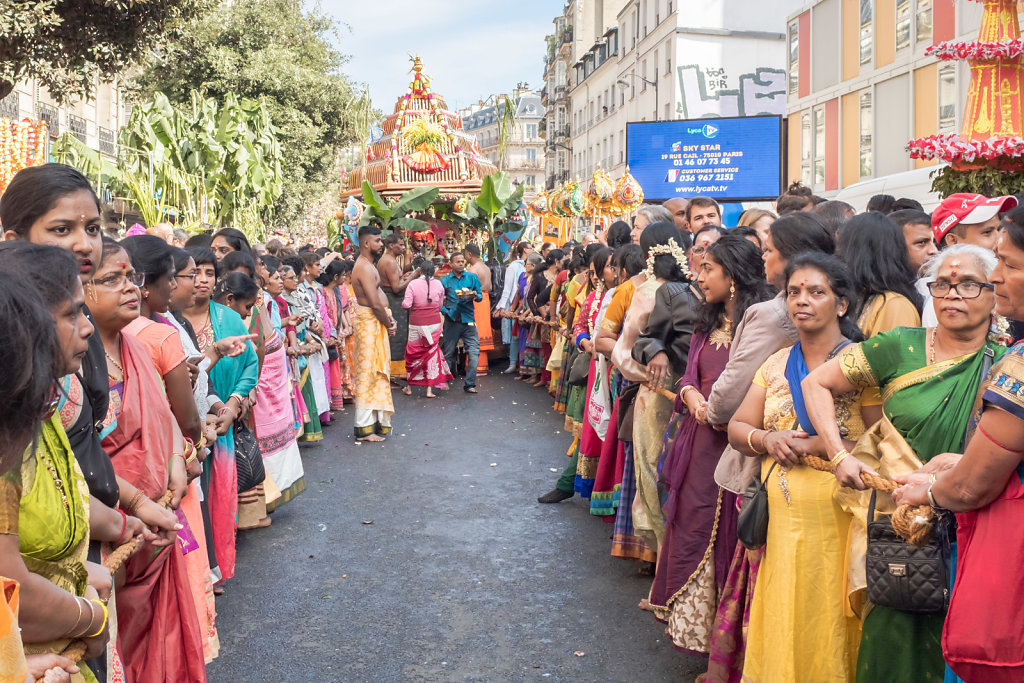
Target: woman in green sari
<point x="919" y="371"/>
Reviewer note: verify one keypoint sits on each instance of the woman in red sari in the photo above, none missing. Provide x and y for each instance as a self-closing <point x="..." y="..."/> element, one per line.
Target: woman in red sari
<point x="158" y="630"/>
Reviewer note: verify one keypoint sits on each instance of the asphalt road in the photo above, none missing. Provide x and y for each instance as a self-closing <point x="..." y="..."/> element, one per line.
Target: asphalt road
<point x="427" y="558"/>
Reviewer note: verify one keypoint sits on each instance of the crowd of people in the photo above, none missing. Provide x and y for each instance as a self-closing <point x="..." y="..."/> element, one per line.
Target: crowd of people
<point x="698" y="365"/>
<point x="156" y="393"/>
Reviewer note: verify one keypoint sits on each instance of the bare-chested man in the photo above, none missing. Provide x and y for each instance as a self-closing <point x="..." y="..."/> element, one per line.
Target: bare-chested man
<point x="372" y="325"/>
<point x="481" y="309"/>
<point x="394" y="282"/>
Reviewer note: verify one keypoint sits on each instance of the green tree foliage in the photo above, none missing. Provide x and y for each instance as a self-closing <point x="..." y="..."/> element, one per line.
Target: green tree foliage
<point x="67" y="44"/>
<point x="279" y="52"/>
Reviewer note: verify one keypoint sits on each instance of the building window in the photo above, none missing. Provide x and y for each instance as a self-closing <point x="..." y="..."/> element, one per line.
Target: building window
<point x="924" y="21"/>
<point x="531" y="181"/>
<point x="947" y="98"/>
<point x="866" y="126"/>
<point x="819" y="146"/>
<point x="865" y="31"/>
<point x="643" y="76"/>
<point x="655" y="64"/>
<point x="530" y="131"/>
<point x="668" y="112"/>
<point x="622" y="147"/>
<point x="531" y="155"/>
<point x="902" y="24"/>
<point x="668" y="62"/>
<point x="794" y="57"/>
<point x="805" y="148"/>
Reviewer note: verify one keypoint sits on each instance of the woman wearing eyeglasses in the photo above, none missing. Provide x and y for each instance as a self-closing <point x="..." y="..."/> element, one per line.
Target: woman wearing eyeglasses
<point x="929" y="378"/>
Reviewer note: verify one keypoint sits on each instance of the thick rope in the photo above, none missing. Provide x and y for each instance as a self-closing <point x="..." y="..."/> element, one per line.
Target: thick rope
<point x="912" y="523"/>
<point x="75" y="650"/>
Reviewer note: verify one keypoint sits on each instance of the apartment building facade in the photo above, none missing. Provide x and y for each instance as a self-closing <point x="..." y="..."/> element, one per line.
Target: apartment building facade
<point x="95" y="121"/>
<point x="860" y="85"/>
<point x="653" y="60"/>
<point x="524" y="157"/>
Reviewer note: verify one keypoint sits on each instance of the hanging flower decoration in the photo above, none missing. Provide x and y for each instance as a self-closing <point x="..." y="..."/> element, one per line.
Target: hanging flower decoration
<point x="977" y="51"/>
<point x="22" y="144"/>
<point x="954" y="148"/>
<point x="574" y="199"/>
<point x="601" y="191"/>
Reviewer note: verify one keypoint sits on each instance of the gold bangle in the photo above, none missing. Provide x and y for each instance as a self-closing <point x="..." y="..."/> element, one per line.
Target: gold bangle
<point x="103" y="624"/>
<point x="839" y="457"/>
<point x="682" y="392"/>
<point x="750" y="443"/>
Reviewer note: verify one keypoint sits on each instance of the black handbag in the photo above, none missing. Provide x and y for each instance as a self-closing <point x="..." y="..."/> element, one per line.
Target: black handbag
<point x="752" y="524"/>
<point x="248" y="458"/>
<point x="905" y="577"/>
<point x="579" y="371"/>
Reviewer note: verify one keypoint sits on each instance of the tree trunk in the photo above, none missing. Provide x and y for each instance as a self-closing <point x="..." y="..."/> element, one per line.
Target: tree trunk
<point x="5" y="89"/>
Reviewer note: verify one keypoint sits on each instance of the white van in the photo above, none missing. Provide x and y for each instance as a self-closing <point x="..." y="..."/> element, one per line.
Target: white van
<point x="916" y="184"/>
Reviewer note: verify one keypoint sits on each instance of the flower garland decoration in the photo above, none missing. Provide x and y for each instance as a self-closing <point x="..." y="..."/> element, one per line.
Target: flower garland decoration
<point x="978" y="51"/>
<point x="422" y="131"/>
<point x="954" y="148"/>
<point x="999" y="332"/>
<point x="677" y="253"/>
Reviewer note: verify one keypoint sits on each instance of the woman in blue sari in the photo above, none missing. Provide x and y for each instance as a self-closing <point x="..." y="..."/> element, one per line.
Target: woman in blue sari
<point x="231" y="381"/>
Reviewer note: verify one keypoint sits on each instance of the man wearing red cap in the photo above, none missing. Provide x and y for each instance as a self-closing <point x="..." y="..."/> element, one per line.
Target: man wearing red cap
<point x="964" y="218"/>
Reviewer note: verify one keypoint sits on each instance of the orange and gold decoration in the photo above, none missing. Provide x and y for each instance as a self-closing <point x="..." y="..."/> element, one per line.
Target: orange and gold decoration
<point x="991" y="134"/>
<point x="601" y="202"/>
<point x="22" y="144"/>
<point x="422" y="144"/>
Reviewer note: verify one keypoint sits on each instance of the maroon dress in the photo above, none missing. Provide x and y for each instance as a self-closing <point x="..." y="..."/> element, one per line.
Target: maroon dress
<point x="699" y="515"/>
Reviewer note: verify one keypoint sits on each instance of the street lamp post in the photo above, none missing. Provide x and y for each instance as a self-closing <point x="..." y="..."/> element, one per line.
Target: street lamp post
<point x="623" y="83"/>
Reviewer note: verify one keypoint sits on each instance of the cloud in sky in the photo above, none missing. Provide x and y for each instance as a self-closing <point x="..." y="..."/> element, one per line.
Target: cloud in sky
<point x="470" y="48"/>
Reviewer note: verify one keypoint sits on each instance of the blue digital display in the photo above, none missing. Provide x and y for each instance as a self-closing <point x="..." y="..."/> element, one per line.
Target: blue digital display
<point x="737" y="159"/>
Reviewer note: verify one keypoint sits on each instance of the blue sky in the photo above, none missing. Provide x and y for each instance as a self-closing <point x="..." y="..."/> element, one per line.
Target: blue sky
<point x="470" y="48"/>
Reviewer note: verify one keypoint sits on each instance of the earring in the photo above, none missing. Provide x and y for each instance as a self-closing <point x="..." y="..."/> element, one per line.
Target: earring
<point x="732" y="292"/>
<point x="92" y="291"/>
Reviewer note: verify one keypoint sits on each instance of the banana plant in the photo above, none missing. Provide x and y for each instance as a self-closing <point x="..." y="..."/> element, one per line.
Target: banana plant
<point x="391" y="216"/>
<point x="491" y="210"/>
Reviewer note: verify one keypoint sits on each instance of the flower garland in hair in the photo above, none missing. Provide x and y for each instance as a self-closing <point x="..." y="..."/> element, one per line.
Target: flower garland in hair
<point x="999" y="332"/>
<point x="672" y="248"/>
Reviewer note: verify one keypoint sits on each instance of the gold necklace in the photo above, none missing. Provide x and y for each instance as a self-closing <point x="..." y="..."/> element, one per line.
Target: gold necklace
<point x="930" y="356"/>
<point x="116" y="365"/>
<point x="722" y="336"/>
<point x="56" y="479"/>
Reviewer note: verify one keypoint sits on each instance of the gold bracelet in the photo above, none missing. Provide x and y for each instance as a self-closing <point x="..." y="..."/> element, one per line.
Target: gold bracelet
<point x="750" y="443"/>
<point x="103" y="624"/>
<point x="682" y="392"/>
<point x="839" y="457"/>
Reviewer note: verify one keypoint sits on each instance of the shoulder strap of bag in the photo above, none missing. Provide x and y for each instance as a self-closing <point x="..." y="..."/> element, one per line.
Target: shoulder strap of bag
<point x="765" y="480"/>
<point x="986" y="367"/>
<point x="871" y="506"/>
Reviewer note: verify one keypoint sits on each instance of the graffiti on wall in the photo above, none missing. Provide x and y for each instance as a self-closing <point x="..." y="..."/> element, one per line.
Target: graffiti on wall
<point x="705" y="92"/>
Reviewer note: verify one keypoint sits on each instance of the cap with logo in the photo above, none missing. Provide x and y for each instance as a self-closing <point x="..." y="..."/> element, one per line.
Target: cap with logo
<point x="967" y="208"/>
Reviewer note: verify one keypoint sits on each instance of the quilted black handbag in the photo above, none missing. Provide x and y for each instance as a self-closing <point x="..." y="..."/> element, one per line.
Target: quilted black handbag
<point x="752" y="524"/>
<point x="248" y="458"/>
<point x="902" y="576"/>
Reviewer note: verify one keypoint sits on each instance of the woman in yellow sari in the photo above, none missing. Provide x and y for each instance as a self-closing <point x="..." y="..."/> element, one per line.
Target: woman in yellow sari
<point x="801" y="628"/>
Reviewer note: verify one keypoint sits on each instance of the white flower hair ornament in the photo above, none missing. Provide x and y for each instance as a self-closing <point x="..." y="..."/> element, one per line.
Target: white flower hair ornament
<point x="672" y="248"/>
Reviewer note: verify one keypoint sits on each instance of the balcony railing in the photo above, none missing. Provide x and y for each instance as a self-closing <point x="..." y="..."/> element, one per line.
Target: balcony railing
<point x="9" y="106"/>
<point x="107" y="141"/>
<point x="51" y="115"/>
<point x="76" y="124"/>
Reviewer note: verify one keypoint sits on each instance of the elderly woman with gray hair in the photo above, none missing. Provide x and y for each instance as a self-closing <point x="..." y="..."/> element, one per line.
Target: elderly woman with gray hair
<point x="646" y="215"/>
<point x="928" y="378"/>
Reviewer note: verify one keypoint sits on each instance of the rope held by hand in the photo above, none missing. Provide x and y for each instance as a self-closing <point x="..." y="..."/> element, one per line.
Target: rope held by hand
<point x="75" y="650"/>
<point x="912" y="523"/>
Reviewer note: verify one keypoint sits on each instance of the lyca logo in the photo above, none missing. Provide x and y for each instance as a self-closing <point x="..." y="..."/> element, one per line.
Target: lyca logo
<point x="707" y="130"/>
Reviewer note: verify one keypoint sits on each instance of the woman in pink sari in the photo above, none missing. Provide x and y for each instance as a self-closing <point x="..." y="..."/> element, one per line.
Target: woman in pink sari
<point x="336" y="300"/>
<point x="424" y="361"/>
